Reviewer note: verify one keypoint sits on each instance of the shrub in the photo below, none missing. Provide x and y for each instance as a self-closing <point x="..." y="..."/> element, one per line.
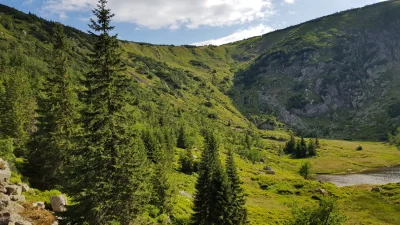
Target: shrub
<point x="359" y="148"/>
<point x="305" y="170"/>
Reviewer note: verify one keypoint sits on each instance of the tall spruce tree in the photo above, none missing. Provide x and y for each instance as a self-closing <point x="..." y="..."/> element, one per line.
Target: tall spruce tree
<point x="17" y="105"/>
<point x="211" y="204"/>
<point x="238" y="212"/>
<point x="58" y="115"/>
<point x="110" y="181"/>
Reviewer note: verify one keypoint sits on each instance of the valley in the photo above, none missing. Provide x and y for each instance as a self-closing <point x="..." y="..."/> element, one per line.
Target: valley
<point x="333" y="80"/>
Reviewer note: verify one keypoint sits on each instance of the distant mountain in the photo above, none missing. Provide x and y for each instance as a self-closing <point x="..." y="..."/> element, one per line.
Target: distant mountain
<point x="336" y="76"/>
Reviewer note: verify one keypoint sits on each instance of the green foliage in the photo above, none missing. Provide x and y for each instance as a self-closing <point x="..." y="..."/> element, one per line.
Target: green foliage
<point x="211" y="204"/>
<point x="326" y="214"/>
<point x="305" y="170"/>
<point x="17" y="106"/>
<point x="187" y="162"/>
<point x="395" y="139"/>
<point x="394" y="110"/>
<point x="290" y="145"/>
<point x="58" y="115"/>
<point x="238" y="212"/>
<point x="182" y="141"/>
<point x="110" y="178"/>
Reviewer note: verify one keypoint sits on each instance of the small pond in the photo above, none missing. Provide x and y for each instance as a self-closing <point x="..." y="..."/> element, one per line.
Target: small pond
<point x="374" y="177"/>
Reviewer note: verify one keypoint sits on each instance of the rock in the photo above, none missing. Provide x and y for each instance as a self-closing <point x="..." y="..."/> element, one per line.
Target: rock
<point x="376" y="189"/>
<point x="39" y="205"/>
<point x="15" y="207"/>
<point x="184" y="193"/>
<point x="269" y="170"/>
<point x="58" y="203"/>
<point x="13" y="190"/>
<point x="3" y="190"/>
<point x="322" y="191"/>
<point x="25" y="188"/>
<point x="18" y="198"/>
<point x="5" y="172"/>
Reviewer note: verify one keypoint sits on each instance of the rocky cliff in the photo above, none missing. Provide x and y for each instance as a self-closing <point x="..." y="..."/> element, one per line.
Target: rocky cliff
<point x="336" y="76"/>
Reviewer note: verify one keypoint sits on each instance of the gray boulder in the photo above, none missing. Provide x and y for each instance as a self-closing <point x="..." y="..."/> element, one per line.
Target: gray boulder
<point x="13" y="190"/>
<point x="322" y="191"/>
<point x="39" y="205"/>
<point x="376" y="189"/>
<point x="25" y="187"/>
<point x="58" y="203"/>
<point x="269" y="170"/>
<point x="5" y="172"/>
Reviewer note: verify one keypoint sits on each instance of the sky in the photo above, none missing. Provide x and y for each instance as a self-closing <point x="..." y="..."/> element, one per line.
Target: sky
<point x="196" y="22"/>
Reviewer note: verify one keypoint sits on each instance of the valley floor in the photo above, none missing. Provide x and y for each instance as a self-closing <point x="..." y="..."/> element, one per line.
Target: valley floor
<point x="271" y="198"/>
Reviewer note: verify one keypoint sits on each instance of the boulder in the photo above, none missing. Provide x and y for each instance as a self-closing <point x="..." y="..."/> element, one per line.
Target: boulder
<point x="58" y="203"/>
<point x="25" y="187"/>
<point x="376" y="189"/>
<point x="18" y="198"/>
<point x="269" y="170"/>
<point x="5" y="172"/>
<point x="13" y="190"/>
<point x="39" y="205"/>
<point x="322" y="191"/>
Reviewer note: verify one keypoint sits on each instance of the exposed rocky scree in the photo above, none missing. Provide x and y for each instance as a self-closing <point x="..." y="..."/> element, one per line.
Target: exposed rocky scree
<point x="12" y="200"/>
<point x="342" y="76"/>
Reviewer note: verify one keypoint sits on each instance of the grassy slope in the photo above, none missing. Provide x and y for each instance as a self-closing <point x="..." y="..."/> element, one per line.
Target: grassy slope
<point x="269" y="196"/>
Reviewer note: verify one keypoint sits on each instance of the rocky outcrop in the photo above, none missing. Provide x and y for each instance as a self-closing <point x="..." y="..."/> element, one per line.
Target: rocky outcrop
<point x="58" y="203"/>
<point x="11" y="199"/>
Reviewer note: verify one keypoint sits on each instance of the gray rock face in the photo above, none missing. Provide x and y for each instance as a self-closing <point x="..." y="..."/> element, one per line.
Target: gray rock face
<point x="10" y="202"/>
<point x="58" y="203"/>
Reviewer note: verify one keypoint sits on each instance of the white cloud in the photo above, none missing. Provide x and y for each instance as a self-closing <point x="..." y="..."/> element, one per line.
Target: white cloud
<point x="238" y="35"/>
<point x="173" y="14"/>
<point x="289" y="1"/>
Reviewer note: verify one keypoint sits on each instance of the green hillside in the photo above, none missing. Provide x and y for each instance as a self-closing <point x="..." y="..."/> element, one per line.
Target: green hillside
<point x="335" y="77"/>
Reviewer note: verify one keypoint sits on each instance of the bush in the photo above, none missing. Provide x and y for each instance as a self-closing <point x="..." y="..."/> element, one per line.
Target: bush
<point x="326" y="213"/>
<point x="305" y="170"/>
<point x="359" y="148"/>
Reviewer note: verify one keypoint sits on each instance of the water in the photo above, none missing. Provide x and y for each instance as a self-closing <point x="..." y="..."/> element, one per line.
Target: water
<point x="373" y="177"/>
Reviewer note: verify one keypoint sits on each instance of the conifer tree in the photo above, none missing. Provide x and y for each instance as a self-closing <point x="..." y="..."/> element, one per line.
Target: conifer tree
<point x="187" y="162"/>
<point x="58" y="115"/>
<point x="303" y="148"/>
<point x="311" y="148"/>
<point x="290" y="145"/>
<point x="211" y="204"/>
<point x="182" y="141"/>
<point x="110" y="183"/>
<point x="161" y="197"/>
<point x="238" y="212"/>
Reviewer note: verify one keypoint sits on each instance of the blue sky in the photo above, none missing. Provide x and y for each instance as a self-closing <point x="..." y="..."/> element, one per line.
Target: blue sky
<point x="197" y="22"/>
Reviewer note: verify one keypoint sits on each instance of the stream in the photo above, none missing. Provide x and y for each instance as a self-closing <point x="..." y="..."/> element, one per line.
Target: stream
<point x="379" y="176"/>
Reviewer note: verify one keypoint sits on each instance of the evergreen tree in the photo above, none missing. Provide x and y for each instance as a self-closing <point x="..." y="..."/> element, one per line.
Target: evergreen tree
<point x="58" y="115"/>
<point x="297" y="150"/>
<point x="303" y="148"/>
<point x="161" y="188"/>
<point x="18" y="110"/>
<point x="290" y="145"/>
<point x="238" y="212"/>
<point x="109" y="183"/>
<point x="152" y="144"/>
<point x="186" y="161"/>
<point x="312" y="149"/>
<point x="317" y="145"/>
<point x="211" y="204"/>
<point x="182" y="141"/>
